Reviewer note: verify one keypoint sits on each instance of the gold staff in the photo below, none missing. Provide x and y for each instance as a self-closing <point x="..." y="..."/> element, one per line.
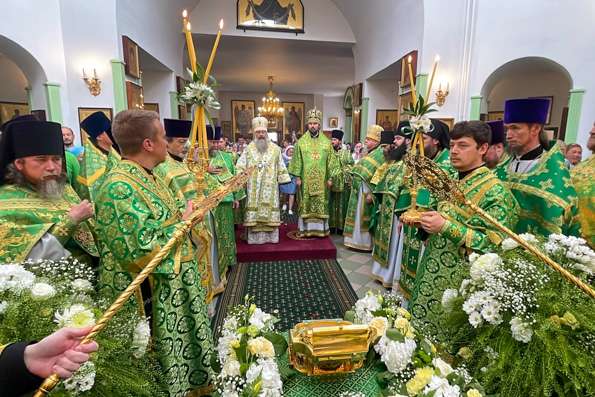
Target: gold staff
<point x="429" y="174"/>
<point x="184" y="227"/>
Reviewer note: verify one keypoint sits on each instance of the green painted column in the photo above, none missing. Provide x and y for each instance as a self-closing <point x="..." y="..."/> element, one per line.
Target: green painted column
<point x="575" y="105"/>
<point x="54" y="102"/>
<point x="363" y="117"/>
<point x="475" y="107"/>
<point x="119" y="79"/>
<point x="347" y="128"/>
<point x="173" y="101"/>
<point x="421" y="85"/>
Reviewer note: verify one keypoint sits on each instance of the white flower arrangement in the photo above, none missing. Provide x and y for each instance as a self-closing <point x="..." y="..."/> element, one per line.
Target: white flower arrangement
<point x="82" y="380"/>
<point x="15" y="279"/>
<point x="422" y="123"/>
<point x="42" y="291"/>
<point x="77" y="316"/>
<point x="246" y="353"/>
<point x="141" y="338"/>
<point x="200" y="94"/>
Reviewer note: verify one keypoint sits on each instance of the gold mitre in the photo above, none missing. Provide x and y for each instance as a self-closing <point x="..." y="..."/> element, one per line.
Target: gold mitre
<point x="260" y="123"/>
<point x="314" y="116"/>
<point x="374" y="132"/>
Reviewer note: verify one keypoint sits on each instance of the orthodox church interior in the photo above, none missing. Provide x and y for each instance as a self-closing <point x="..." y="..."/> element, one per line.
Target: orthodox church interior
<point x="279" y="256"/>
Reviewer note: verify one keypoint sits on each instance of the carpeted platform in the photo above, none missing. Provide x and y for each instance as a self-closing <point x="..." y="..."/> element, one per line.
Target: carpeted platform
<point x="300" y="290"/>
<point x="287" y="249"/>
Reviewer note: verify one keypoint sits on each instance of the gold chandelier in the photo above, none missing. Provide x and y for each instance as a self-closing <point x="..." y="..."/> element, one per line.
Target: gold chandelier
<point x="271" y="105"/>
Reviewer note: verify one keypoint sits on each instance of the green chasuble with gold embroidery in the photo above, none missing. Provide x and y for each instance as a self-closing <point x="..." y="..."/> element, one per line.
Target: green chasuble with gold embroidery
<point x="362" y="173"/>
<point x="224" y="214"/>
<point x="136" y="216"/>
<point x="93" y="166"/>
<point x="314" y="164"/>
<point x="463" y="233"/>
<point x="182" y="185"/>
<point x="547" y="200"/>
<point x="339" y="196"/>
<point x="583" y="179"/>
<point x="25" y="217"/>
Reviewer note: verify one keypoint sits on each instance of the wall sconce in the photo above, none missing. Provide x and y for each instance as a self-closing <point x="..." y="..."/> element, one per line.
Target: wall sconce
<point x="93" y="83"/>
<point x="441" y="94"/>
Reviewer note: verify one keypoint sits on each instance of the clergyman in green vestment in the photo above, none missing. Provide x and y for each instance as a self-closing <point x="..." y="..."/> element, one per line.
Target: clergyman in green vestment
<point x="583" y="179"/>
<point x="339" y="196"/>
<point x="136" y="216"/>
<point x="535" y="174"/>
<point x="182" y="185"/>
<point x="99" y="155"/>
<point x="455" y="230"/>
<point x="312" y="164"/>
<point x="356" y="232"/>
<point x="41" y="217"/>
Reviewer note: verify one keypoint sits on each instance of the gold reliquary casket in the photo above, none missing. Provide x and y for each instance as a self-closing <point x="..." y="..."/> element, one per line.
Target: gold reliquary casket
<point x="329" y="347"/>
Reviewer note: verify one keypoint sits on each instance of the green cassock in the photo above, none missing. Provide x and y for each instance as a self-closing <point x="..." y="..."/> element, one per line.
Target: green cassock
<point x="182" y="185"/>
<point x="362" y="173"/>
<point x="463" y="233"/>
<point x="224" y="213"/>
<point x="93" y="167"/>
<point x="339" y="196"/>
<point x="25" y="217"/>
<point x="313" y="163"/>
<point x="136" y="216"/>
<point x="547" y="199"/>
<point x="583" y="179"/>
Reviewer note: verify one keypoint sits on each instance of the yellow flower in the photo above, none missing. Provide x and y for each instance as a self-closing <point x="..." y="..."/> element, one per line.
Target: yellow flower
<point x="261" y="347"/>
<point x="419" y="381"/>
<point x="402" y="324"/>
<point x="235" y="344"/>
<point x="473" y="393"/>
<point x="251" y="309"/>
<point x="404" y="313"/>
<point x="380" y="324"/>
<point x="570" y="320"/>
<point x="465" y="353"/>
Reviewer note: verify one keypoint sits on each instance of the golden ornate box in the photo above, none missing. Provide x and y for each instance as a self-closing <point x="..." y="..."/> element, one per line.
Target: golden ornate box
<point x="329" y="347"/>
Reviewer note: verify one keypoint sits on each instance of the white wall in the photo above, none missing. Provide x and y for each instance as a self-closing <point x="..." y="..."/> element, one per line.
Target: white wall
<point x="322" y="21"/>
<point x="12" y="81"/>
<point x="156" y="88"/>
<point x="529" y="85"/>
<point x="382" y="94"/>
<point x="333" y="107"/>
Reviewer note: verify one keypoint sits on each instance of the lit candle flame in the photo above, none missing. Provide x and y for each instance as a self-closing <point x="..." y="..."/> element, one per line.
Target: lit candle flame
<point x="409" y="59"/>
<point x="221" y="24"/>
<point x="437" y="58"/>
<point x="189" y="27"/>
<point x="185" y="14"/>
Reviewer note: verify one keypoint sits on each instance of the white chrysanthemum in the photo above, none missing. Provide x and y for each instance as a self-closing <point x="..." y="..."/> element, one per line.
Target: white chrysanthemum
<point x="231" y="368"/>
<point x="442" y="366"/>
<point x="491" y="313"/>
<point x="473" y="257"/>
<point x="15" y="278"/>
<point x="259" y="318"/>
<point x="395" y="355"/>
<point x="42" y="291"/>
<point x="224" y="346"/>
<point x="447" y="298"/>
<point x="475" y="319"/>
<point x="442" y="388"/>
<point x="509" y="244"/>
<point x="486" y="263"/>
<point x="261" y="347"/>
<point x="272" y="385"/>
<point x="82" y="285"/>
<point x="521" y="331"/>
<point x="82" y="380"/>
<point x="379" y="323"/>
<point x="529" y="238"/>
<point x="77" y="316"/>
<point x="365" y="306"/>
<point x="3" y="306"/>
<point x="141" y="338"/>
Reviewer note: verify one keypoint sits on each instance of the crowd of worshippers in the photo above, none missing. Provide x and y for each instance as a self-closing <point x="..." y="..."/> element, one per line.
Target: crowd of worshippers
<point x="116" y="199"/>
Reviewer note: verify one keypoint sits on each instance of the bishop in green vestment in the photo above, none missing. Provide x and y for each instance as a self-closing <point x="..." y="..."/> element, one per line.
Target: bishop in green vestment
<point x="535" y="174"/>
<point x="41" y="217"/>
<point x="455" y="230"/>
<point x="339" y="196"/>
<point x="356" y="231"/>
<point x="583" y="179"/>
<point x="222" y="168"/>
<point x="312" y="164"/>
<point x="262" y="216"/>
<point x="99" y="155"/>
<point x="136" y="216"/>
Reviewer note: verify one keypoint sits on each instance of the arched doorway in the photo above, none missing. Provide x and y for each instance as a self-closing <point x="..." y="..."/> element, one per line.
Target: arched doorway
<point x="529" y="77"/>
<point x="348" y="107"/>
<point x="22" y="81"/>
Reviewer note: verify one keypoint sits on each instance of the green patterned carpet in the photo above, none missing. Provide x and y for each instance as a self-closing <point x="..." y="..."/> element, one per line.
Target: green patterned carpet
<point x="300" y="290"/>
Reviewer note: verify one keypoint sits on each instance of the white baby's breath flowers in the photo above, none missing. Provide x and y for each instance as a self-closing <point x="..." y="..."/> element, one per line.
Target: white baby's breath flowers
<point x="82" y="285"/>
<point x="77" y="316"/>
<point x="42" y="291"/>
<point x="448" y="296"/>
<point x="82" y="380"/>
<point x="141" y="338"/>
<point x="15" y="279"/>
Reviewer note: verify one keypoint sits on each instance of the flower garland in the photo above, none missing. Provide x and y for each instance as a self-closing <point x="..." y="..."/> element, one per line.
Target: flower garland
<point x="410" y="362"/>
<point x="522" y="328"/>
<point x="247" y="353"/>
<point x="47" y="295"/>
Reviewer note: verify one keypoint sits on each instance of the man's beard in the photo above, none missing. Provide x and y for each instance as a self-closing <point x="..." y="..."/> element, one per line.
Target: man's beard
<point x="313" y="131"/>
<point x="395" y="153"/>
<point x="337" y="147"/>
<point x="261" y="144"/>
<point x="49" y="188"/>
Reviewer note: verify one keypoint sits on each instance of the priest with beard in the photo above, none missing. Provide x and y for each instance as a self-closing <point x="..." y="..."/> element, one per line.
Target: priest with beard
<point x="262" y="217"/>
<point x="41" y="217"/>
<point x="341" y="183"/>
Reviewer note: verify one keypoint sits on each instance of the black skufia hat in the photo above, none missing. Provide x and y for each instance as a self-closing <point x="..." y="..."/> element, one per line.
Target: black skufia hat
<point x="337" y="134"/>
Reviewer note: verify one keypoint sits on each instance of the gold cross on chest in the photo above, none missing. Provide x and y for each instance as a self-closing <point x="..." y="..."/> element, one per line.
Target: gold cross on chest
<point x="315" y="156"/>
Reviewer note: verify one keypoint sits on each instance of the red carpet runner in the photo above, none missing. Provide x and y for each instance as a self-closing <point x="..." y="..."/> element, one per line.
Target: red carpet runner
<point x="287" y="249"/>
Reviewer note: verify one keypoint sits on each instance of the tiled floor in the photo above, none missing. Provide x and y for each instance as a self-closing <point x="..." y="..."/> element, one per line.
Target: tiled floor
<point x="357" y="266"/>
